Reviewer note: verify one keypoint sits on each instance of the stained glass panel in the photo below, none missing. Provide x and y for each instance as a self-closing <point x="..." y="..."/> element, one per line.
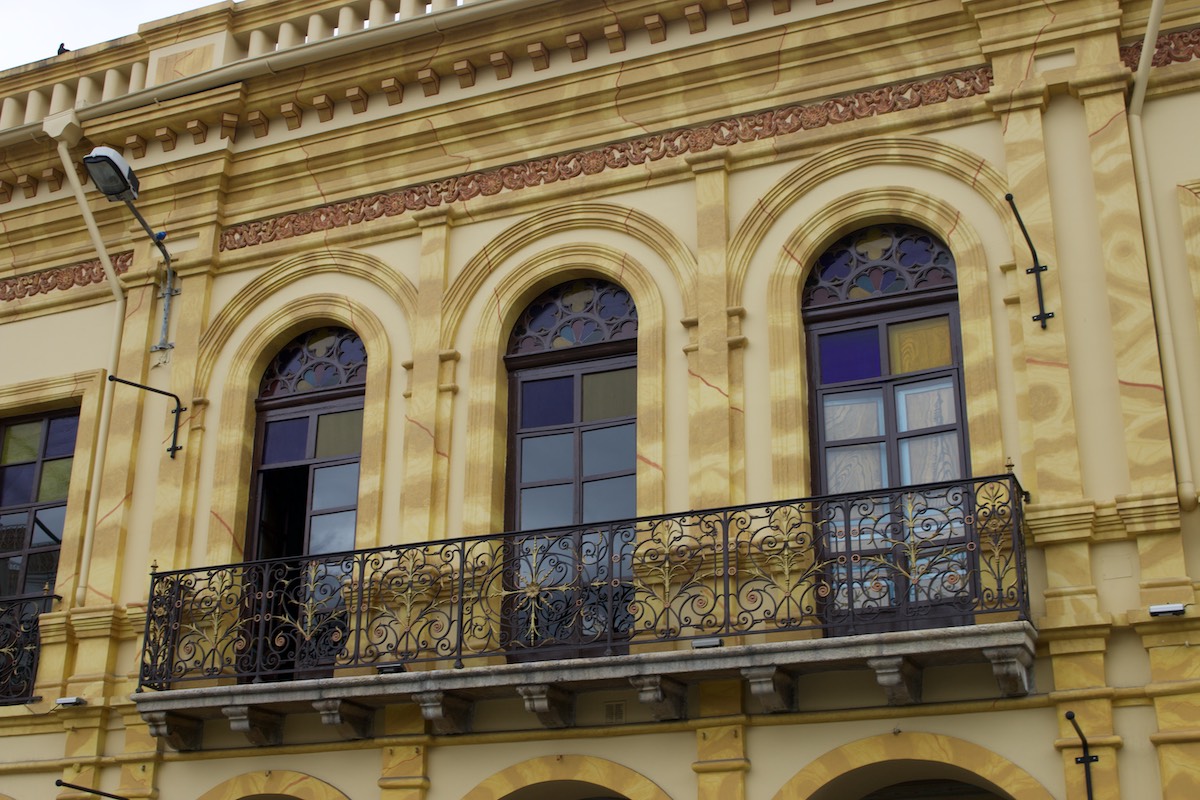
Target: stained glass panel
<point x="573" y="314"/>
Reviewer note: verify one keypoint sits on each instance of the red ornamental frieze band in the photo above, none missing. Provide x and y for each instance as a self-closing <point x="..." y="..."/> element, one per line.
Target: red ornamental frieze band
<point x="543" y="171"/>
<point x="85" y="273"/>
<point x="1176" y="47"/>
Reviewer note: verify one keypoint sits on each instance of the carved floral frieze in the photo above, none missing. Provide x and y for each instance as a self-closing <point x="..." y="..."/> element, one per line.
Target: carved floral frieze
<point x="85" y="273"/>
<point x="542" y="171"/>
<point x="1175" y="47"/>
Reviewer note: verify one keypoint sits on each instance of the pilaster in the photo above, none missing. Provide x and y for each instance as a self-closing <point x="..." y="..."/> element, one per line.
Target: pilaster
<point x="426" y="436"/>
<point x="710" y="405"/>
<point x="404" y="768"/>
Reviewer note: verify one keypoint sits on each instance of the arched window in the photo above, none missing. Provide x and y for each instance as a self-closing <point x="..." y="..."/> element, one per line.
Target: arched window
<point x="307" y="446"/>
<point x="881" y="316"/>
<point x="571" y="468"/>
<point x="881" y="313"/>
<point x="573" y="407"/>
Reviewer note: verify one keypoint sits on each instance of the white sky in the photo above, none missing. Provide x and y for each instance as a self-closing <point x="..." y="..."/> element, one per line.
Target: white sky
<point x="32" y="29"/>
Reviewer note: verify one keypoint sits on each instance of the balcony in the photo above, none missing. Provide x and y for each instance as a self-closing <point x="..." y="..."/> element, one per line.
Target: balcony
<point x="19" y="646"/>
<point x="892" y="581"/>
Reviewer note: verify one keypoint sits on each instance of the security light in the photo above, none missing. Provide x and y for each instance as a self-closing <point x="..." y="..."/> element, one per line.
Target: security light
<point x="112" y="174"/>
<point x="1167" y="610"/>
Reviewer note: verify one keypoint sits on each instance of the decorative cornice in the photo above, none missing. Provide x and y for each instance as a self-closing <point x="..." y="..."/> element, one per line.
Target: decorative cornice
<point x="84" y="273"/>
<point x="751" y="127"/>
<point x="1175" y="47"/>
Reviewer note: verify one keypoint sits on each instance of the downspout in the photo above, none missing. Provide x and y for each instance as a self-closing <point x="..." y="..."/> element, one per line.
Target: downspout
<point x="64" y="129"/>
<point x="1176" y="418"/>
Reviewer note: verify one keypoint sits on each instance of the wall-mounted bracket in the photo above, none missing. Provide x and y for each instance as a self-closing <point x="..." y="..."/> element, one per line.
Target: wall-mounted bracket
<point x="1036" y="270"/>
<point x="1087" y="759"/>
<point x="179" y="409"/>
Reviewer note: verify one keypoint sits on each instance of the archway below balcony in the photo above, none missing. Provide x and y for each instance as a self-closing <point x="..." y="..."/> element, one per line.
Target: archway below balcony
<point x="274" y="784"/>
<point x="902" y="765"/>
<point x="567" y="777"/>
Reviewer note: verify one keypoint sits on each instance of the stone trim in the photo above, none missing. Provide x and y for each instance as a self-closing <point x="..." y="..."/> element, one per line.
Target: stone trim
<point x="752" y="127"/>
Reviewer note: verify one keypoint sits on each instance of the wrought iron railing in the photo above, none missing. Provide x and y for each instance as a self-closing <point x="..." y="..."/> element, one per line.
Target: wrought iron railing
<point x="927" y="556"/>
<point x="19" y="645"/>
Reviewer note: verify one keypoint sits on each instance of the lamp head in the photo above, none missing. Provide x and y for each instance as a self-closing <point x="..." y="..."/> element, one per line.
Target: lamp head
<point x="112" y="174"/>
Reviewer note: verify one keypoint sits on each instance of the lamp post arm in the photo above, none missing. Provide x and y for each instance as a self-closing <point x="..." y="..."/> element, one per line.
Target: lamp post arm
<point x="169" y="287"/>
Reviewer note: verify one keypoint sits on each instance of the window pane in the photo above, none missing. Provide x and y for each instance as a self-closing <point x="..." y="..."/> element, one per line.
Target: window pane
<point x="547" y="506"/>
<point x="849" y="355"/>
<point x="856" y="468"/>
<point x="609" y="395"/>
<point x="10" y="575"/>
<point x="331" y="533"/>
<point x="56" y="477"/>
<point x="334" y="487"/>
<point x="544" y="458"/>
<point x="547" y="402"/>
<point x="854" y="415"/>
<point x="48" y="526"/>
<point x="285" y="440"/>
<point x="921" y="344"/>
<point x="925" y="459"/>
<point x="609" y="450"/>
<point x="21" y="442"/>
<point x="12" y="532"/>
<point x="339" y="434"/>
<point x="41" y="572"/>
<point x="926" y="404"/>
<point x="16" y="484"/>
<point x="612" y="498"/>
<point x="60" y="441"/>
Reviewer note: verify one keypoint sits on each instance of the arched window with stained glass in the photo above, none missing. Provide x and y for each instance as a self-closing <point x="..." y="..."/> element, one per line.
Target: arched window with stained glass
<point x="307" y="446"/>
<point x="881" y="313"/>
<point x="881" y="319"/>
<point x="572" y="366"/>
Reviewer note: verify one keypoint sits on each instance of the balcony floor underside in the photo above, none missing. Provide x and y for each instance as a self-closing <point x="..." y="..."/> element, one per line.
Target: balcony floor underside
<point x="772" y="672"/>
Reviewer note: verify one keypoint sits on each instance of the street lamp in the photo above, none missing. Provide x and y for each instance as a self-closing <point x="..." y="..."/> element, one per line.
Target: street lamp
<point x="112" y="174"/>
<point x="116" y="179"/>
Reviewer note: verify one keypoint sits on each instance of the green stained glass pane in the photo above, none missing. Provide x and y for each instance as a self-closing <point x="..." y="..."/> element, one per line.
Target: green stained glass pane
<point x="56" y="477"/>
<point x="609" y="395"/>
<point x="21" y="442"/>
<point x="339" y="434"/>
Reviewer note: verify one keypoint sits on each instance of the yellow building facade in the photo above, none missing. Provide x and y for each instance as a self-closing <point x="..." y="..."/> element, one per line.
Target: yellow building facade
<point x="592" y="400"/>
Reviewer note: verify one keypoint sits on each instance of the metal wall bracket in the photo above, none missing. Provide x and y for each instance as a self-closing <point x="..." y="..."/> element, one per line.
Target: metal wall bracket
<point x="179" y="409"/>
<point x="1087" y="759"/>
<point x="1036" y="270"/>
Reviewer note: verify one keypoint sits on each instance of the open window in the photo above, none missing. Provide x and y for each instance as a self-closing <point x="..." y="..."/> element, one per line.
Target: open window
<point x="305" y="497"/>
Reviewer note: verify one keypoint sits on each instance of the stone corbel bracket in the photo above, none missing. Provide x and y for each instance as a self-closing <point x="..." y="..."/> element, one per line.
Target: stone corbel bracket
<point x="350" y="720"/>
<point x="555" y="707"/>
<point x="1012" y="667"/>
<point x="448" y="713"/>
<point x="179" y="732"/>
<point x="899" y="677"/>
<point x="261" y="728"/>
<point x="667" y="699"/>
<point x="772" y="687"/>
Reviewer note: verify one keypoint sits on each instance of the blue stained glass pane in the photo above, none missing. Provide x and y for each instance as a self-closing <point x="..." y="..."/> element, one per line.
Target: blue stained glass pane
<point x="60" y="441"/>
<point x="849" y="355"/>
<point x="16" y="484"/>
<point x="286" y="440"/>
<point x="547" y="402"/>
